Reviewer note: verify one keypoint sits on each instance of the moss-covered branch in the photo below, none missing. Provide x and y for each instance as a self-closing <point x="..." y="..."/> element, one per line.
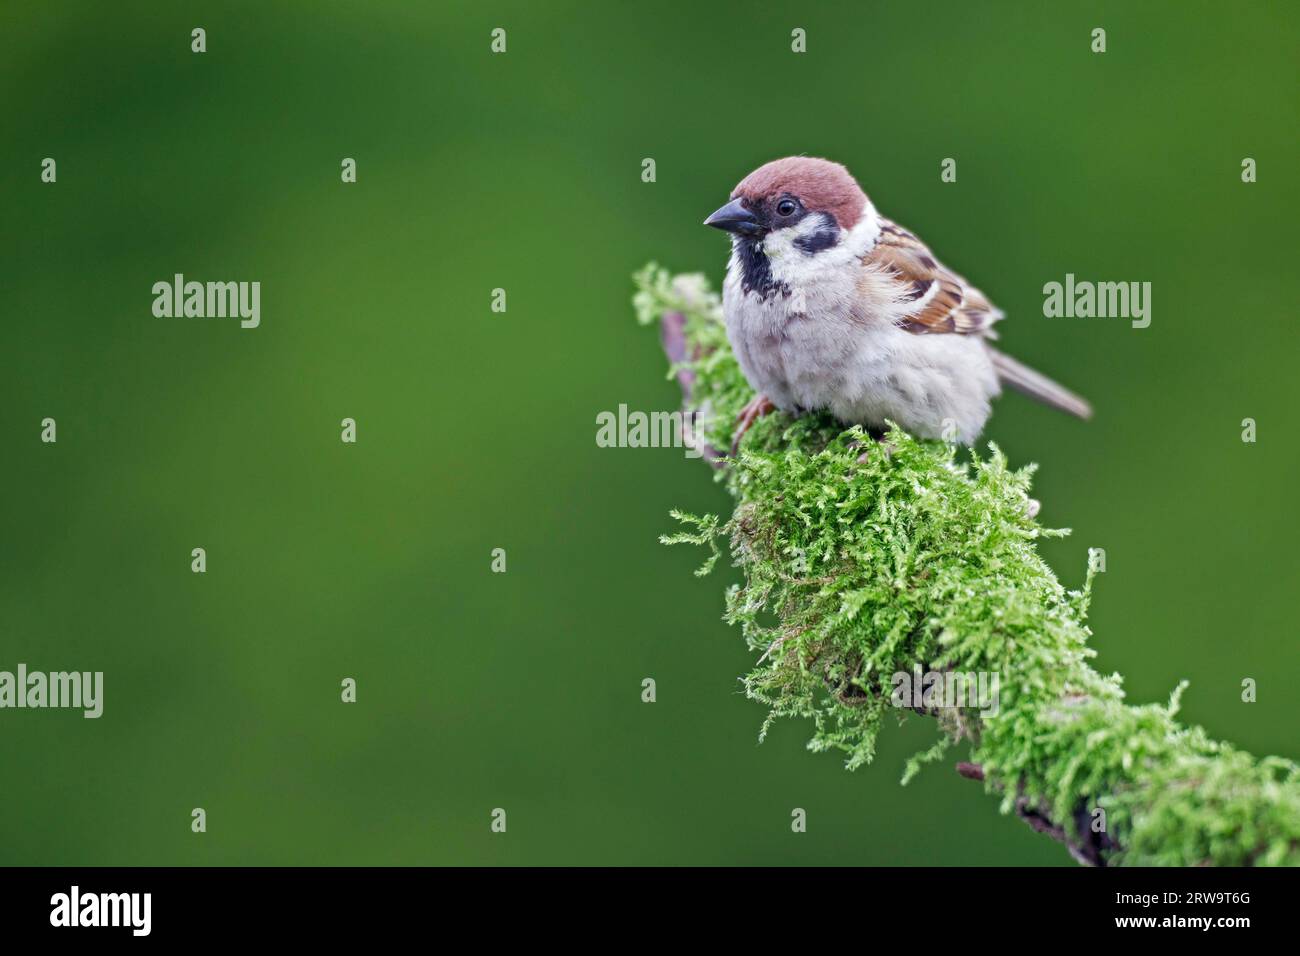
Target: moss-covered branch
<point x="866" y="560"/>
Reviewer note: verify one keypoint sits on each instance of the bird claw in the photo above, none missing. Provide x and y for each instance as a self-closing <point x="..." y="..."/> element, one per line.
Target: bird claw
<point x="876" y="439"/>
<point x="755" y="409"/>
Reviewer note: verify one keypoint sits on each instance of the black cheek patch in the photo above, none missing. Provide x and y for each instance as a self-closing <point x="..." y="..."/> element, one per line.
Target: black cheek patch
<point x="826" y="236"/>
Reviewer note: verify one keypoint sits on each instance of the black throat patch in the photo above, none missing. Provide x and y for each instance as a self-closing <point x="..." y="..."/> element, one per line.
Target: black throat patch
<point x="756" y="270"/>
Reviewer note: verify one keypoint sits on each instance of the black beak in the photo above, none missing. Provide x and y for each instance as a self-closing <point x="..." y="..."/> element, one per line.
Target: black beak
<point x="734" y="217"/>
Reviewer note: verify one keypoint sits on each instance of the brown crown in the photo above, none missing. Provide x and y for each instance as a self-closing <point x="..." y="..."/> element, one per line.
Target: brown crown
<point x="819" y="184"/>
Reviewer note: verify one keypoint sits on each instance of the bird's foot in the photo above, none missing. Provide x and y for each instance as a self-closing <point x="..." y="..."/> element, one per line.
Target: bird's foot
<point x="757" y="407"/>
<point x="880" y="439"/>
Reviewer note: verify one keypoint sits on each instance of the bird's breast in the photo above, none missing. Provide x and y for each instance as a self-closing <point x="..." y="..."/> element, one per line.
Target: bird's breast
<point x="794" y="348"/>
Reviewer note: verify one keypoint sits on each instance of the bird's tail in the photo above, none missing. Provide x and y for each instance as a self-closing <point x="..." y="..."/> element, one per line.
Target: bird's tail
<point x="1038" y="386"/>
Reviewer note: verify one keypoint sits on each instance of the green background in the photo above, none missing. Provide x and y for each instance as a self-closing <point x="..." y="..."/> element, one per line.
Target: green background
<point x="476" y="430"/>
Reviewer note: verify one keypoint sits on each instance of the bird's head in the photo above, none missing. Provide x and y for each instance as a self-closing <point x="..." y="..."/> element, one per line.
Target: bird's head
<point x="811" y="202"/>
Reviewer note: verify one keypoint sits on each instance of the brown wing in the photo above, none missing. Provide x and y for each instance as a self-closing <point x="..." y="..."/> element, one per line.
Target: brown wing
<point x="945" y="301"/>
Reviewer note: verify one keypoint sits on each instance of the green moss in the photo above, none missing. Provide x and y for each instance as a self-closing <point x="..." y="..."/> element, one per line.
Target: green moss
<point x="862" y="560"/>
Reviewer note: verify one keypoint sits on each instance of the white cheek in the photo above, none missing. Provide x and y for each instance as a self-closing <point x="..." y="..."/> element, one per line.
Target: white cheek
<point x="793" y="266"/>
<point x="777" y="245"/>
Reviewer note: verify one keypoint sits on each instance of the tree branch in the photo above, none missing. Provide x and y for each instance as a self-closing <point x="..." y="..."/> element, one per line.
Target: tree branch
<point x="672" y="334"/>
<point x="874" y="564"/>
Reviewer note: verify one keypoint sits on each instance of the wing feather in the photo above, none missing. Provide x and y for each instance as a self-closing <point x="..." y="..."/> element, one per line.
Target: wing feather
<point x="945" y="302"/>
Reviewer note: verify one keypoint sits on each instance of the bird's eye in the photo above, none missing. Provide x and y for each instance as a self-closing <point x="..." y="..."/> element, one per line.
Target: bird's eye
<point x="786" y="207"/>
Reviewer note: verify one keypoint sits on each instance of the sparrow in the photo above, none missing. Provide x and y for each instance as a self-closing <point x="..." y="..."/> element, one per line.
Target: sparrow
<point x="830" y="306"/>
